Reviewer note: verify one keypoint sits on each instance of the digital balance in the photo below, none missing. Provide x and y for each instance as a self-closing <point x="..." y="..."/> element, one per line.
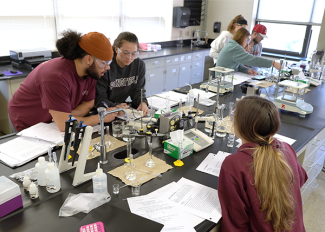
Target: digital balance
<point x="227" y="79"/>
<point x="199" y="139"/>
<point x="292" y="98"/>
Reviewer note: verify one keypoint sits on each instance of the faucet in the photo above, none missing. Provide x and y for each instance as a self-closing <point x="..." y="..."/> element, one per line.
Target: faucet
<point x="102" y="113"/>
<point x="198" y="38"/>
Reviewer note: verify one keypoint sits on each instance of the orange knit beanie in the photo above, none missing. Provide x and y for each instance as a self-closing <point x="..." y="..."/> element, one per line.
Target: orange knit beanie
<point x="97" y="45"/>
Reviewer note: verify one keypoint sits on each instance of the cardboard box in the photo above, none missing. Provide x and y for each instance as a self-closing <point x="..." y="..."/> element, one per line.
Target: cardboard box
<point x="10" y="196"/>
<point x="172" y="149"/>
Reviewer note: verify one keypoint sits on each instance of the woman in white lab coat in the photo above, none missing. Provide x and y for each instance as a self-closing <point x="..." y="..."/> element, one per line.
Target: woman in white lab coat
<point x="217" y="44"/>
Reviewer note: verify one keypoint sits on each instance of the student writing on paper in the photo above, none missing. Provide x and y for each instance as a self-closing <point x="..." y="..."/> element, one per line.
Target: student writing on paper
<point x="259" y="185"/>
<point x="63" y="86"/>
<point x="126" y="76"/>
<point x="234" y="56"/>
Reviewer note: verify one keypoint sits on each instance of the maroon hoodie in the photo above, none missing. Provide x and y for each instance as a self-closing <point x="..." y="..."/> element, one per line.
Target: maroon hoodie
<point x="238" y="198"/>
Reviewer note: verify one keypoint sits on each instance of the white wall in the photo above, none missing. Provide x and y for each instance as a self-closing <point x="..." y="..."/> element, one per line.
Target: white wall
<point x="185" y="32"/>
<point x="225" y="10"/>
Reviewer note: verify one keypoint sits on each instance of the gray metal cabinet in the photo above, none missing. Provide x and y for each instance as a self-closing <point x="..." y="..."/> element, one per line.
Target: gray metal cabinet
<point x="185" y="58"/>
<point x="155" y="80"/>
<point x="197" y="67"/>
<point x="170" y="72"/>
<point x="172" y="60"/>
<point x="184" y="75"/>
<point x="172" y="77"/>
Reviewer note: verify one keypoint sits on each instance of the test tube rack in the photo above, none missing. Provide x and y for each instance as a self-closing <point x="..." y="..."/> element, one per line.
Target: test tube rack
<point x="64" y="165"/>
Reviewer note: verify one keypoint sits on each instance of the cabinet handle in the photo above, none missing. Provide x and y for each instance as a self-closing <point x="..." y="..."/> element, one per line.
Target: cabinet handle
<point x="156" y="62"/>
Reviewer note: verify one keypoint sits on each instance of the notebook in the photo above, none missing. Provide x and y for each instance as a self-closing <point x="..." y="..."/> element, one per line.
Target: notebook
<point x="30" y="143"/>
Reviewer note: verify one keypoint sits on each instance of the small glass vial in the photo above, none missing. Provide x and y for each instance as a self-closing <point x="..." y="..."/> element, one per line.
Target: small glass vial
<point x="52" y="178"/>
<point x="33" y="191"/>
<point x="26" y="183"/>
<point x="41" y="166"/>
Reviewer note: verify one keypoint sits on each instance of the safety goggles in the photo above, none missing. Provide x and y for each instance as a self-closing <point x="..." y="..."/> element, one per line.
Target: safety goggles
<point x="129" y="54"/>
<point x="101" y="63"/>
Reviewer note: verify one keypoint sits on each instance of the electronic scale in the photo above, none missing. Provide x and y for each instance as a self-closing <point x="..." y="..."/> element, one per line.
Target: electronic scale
<point x="293" y="101"/>
<point x="227" y="80"/>
<point x="200" y="140"/>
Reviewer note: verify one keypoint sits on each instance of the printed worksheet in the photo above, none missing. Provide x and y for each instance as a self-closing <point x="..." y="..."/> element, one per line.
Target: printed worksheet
<point x="195" y="198"/>
<point x="212" y="163"/>
<point x="161" y="211"/>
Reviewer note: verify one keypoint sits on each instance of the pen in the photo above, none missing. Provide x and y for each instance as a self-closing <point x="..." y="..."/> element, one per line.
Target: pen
<point x="104" y="103"/>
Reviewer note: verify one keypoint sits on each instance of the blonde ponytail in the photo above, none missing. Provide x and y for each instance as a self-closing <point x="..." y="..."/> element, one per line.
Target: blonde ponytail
<point x="273" y="184"/>
<point x="256" y="120"/>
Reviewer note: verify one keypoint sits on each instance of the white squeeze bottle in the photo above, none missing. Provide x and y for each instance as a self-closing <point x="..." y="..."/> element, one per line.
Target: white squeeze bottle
<point x="52" y="178"/>
<point x="100" y="181"/>
<point x="26" y="183"/>
<point x="41" y="166"/>
<point x="33" y="191"/>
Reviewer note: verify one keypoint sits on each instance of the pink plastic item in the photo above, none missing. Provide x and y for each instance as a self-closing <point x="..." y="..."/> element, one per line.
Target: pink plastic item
<point x="143" y="46"/>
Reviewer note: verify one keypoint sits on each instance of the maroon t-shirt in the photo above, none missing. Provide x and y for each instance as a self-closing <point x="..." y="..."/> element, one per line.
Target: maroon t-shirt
<point x="240" y="205"/>
<point x="52" y="85"/>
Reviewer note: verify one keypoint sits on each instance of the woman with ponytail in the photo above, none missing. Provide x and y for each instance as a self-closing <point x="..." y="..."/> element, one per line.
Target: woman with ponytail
<point x="259" y="185"/>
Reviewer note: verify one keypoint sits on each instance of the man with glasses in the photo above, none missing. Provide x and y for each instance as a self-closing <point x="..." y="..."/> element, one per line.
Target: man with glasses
<point x="125" y="78"/>
<point x="258" y="34"/>
<point x="255" y="47"/>
<point x="63" y="86"/>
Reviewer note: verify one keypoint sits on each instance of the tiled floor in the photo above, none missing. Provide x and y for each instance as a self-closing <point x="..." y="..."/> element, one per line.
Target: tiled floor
<point x="314" y="208"/>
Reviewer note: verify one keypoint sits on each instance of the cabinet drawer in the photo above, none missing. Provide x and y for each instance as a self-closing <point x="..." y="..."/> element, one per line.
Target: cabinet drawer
<point x="197" y="56"/>
<point x="206" y="53"/>
<point x="185" y="58"/>
<point x="172" y="60"/>
<point x="196" y="76"/>
<point x="172" y="71"/>
<point x="155" y="63"/>
<point x="197" y="64"/>
<point x="185" y="68"/>
<point x="155" y="81"/>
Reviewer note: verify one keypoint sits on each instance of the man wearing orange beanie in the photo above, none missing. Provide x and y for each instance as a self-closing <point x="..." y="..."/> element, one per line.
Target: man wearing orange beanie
<point x="63" y="86"/>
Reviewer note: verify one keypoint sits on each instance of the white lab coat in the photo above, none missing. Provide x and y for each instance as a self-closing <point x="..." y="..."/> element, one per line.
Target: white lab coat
<point x="219" y="43"/>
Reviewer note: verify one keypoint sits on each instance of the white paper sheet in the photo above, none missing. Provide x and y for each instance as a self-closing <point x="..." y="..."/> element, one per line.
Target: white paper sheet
<point x="21" y="150"/>
<point x="203" y="94"/>
<point x="277" y="136"/>
<point x="195" y="198"/>
<point x="174" y="96"/>
<point x="160" y="103"/>
<point x="239" y="78"/>
<point x="161" y="211"/>
<point x="193" y="219"/>
<point x="45" y="131"/>
<point x="212" y="163"/>
<point x="285" y="139"/>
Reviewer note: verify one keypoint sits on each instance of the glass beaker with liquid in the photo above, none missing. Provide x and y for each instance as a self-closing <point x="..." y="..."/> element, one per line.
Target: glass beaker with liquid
<point x="221" y="122"/>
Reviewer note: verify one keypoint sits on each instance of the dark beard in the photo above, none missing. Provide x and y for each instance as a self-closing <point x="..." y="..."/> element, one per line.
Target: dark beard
<point x="92" y="73"/>
<point x="255" y="42"/>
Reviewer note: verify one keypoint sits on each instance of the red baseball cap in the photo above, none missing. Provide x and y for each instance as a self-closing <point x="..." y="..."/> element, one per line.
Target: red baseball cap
<point x="260" y="29"/>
